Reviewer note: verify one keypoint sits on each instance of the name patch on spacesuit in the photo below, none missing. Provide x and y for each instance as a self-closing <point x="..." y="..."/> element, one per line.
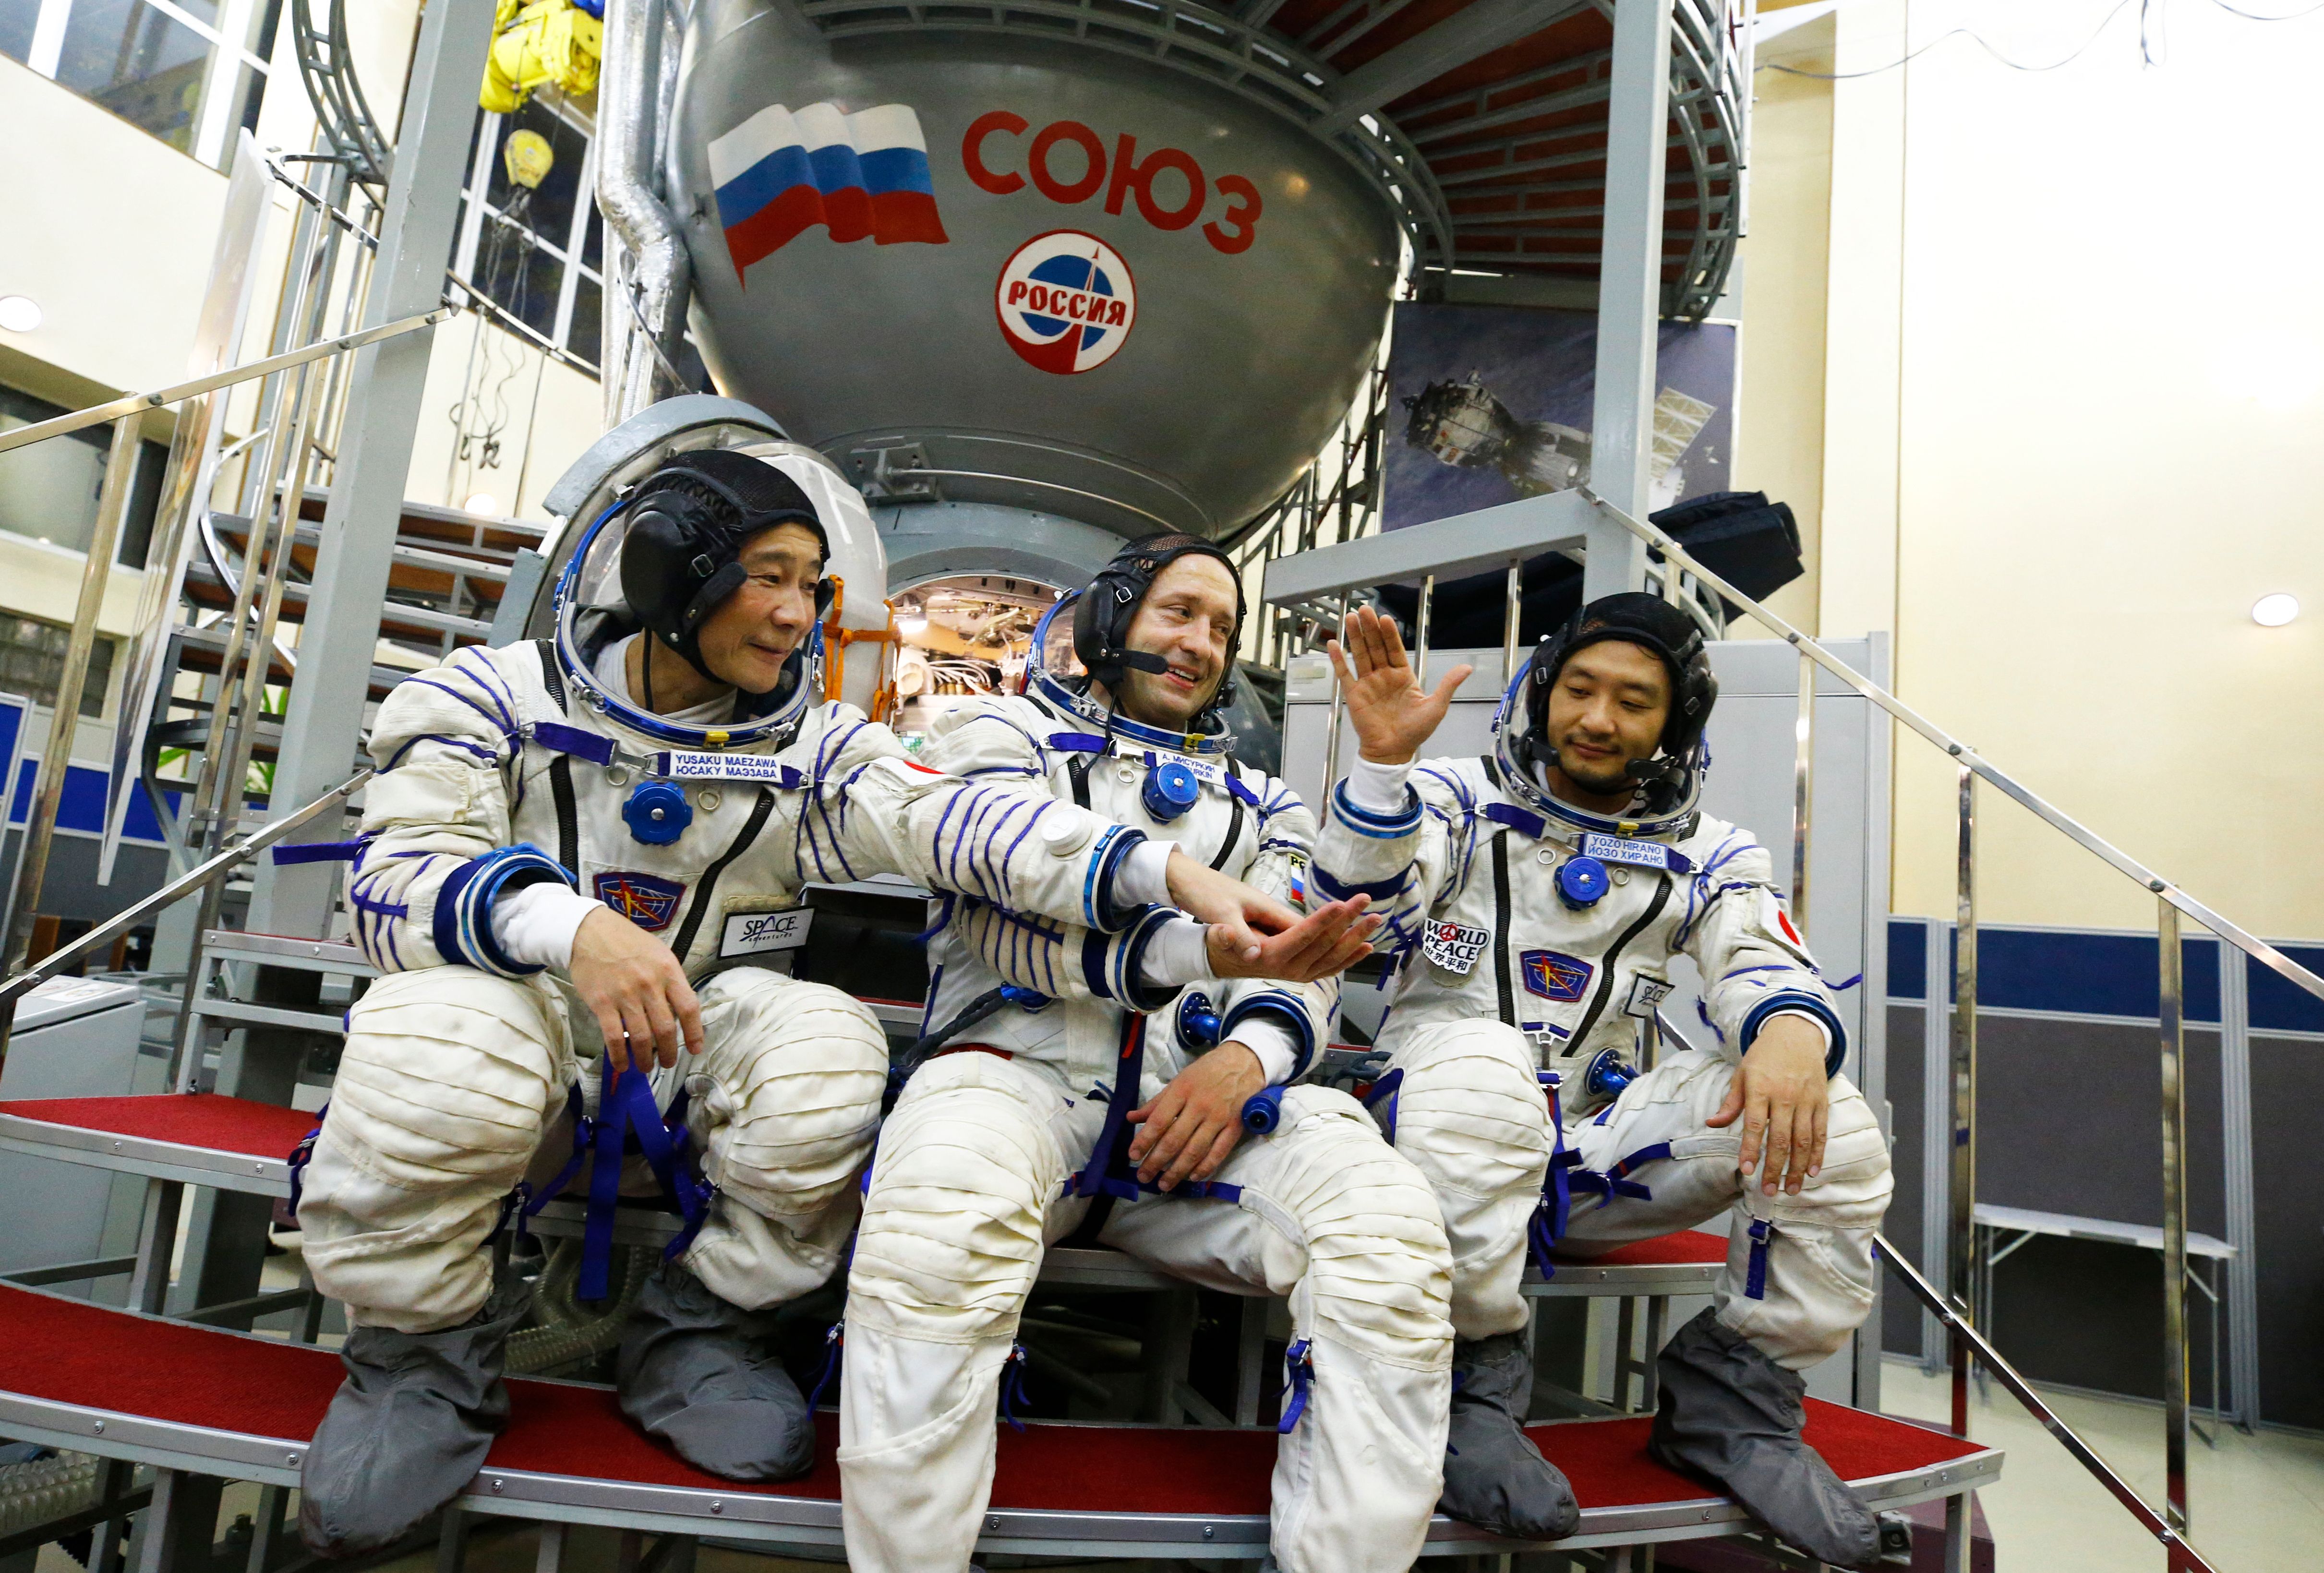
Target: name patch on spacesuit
<point x="753" y="933"/>
<point x="1638" y="854"/>
<point x="1554" y="975"/>
<point x="691" y="766"/>
<point x="1645" y="995"/>
<point x="647" y="901"/>
<point x="1454" y="948"/>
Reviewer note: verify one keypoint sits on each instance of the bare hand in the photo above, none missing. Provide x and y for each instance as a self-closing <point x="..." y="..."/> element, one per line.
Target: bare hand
<point x="1392" y="714"/>
<point x="1188" y="1131"/>
<point x="636" y="989"/>
<point x="1784" y="1100"/>
<point x="1238" y="914"/>
<point x="1328" y="940"/>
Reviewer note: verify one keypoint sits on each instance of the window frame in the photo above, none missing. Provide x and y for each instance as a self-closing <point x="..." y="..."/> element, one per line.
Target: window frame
<point x="229" y="53"/>
<point x="476" y="209"/>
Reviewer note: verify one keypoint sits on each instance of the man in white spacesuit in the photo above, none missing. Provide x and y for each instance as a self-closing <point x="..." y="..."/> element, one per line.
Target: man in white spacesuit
<point x="1079" y="1111"/>
<point x="1535" y="899"/>
<point x="668" y="753"/>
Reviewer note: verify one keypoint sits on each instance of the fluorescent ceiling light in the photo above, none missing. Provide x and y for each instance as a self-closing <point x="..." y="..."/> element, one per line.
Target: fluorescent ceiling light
<point x="2275" y="611"/>
<point x="20" y="313"/>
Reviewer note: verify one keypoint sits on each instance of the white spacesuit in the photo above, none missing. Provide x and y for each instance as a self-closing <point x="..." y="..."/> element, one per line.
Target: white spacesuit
<point x="1009" y="1139"/>
<point x="1531" y="938"/>
<point x="508" y="778"/>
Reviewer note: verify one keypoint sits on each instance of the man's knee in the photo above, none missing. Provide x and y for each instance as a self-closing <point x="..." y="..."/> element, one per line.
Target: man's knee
<point x="1469" y="1109"/>
<point x="790" y="1084"/>
<point x="448" y="1076"/>
<point x="1378" y="1266"/>
<point x="951" y="1234"/>
<point x="1851" y="1192"/>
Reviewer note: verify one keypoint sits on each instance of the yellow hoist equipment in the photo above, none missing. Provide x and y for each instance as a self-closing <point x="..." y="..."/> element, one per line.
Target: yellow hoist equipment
<point x="538" y="42"/>
<point x="528" y="157"/>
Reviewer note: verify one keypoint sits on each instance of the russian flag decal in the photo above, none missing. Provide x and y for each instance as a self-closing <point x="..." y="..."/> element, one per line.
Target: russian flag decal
<point x="783" y="171"/>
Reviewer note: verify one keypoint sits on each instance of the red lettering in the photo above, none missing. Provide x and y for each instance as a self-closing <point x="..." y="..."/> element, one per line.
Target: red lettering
<point x="1244" y="214"/>
<point x="1039" y="300"/>
<point x="1114" y="315"/>
<point x="1125" y="172"/>
<point x="1016" y="291"/>
<point x="1188" y="210"/>
<point x="972" y="151"/>
<point x="1091" y="178"/>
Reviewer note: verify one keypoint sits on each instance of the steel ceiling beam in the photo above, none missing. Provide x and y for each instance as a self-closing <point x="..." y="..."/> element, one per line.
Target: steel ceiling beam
<point x="1474" y="30"/>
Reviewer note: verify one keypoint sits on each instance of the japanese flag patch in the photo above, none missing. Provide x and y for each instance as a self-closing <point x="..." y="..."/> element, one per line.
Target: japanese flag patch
<point x="1455" y="948"/>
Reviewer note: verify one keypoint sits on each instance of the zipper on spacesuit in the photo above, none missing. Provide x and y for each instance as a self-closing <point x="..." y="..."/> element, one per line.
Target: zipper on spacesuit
<point x="1605" y="963"/>
<point x="708" y="886"/>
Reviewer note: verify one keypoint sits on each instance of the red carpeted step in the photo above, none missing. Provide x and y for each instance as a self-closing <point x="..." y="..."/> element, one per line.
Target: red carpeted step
<point x="72" y="1352"/>
<point x="192" y="1119"/>
<point x="1688" y="1247"/>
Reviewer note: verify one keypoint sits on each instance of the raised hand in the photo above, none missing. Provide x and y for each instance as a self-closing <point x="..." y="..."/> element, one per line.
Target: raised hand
<point x="1393" y="715"/>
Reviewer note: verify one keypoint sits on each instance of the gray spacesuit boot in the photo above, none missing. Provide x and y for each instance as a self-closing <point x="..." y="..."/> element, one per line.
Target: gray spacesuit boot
<point x="1732" y="1415"/>
<point x="699" y="1374"/>
<point x="408" y="1428"/>
<point x="1494" y="1477"/>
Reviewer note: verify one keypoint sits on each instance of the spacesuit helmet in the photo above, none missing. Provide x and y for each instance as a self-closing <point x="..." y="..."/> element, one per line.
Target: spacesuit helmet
<point x="1671" y="782"/>
<point x="1102" y="613"/>
<point x="666" y="554"/>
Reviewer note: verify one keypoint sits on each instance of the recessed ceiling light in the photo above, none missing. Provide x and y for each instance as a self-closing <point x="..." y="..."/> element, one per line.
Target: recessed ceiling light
<point x="20" y="313"/>
<point x="482" y="502"/>
<point x="2275" y="611"/>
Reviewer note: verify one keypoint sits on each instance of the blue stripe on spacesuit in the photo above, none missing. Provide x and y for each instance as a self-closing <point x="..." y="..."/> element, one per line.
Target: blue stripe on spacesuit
<point x="1379" y="827"/>
<point x="489" y="756"/>
<point x="1378" y="889"/>
<point x="505" y="730"/>
<point x="479" y="670"/>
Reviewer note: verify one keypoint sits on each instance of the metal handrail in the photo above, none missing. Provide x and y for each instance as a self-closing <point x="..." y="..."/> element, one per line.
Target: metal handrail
<point x="131" y="403"/>
<point x="2184" y="1555"/>
<point x="192" y="879"/>
<point x="2259" y="950"/>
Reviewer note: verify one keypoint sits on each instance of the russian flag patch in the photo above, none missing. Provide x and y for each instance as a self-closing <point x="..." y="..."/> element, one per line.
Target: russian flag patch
<point x="783" y="171"/>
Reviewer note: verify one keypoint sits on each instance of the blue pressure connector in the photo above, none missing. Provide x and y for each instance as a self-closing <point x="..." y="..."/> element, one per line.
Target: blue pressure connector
<point x="1262" y="1111"/>
<point x="1023" y="998"/>
<point x="1583" y="883"/>
<point x="1198" y="1023"/>
<point x="1171" y="788"/>
<point x="658" y="812"/>
<point x="1608" y="1074"/>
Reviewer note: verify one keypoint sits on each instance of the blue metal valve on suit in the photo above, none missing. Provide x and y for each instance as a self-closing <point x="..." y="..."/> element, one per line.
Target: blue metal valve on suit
<point x="1581" y="883"/>
<point x="1198" y="1023"/>
<point x="1171" y="788"/>
<point x="1262" y="1111"/>
<point x="1608" y="1074"/>
<point x="658" y="812"/>
<point x="1025" y="999"/>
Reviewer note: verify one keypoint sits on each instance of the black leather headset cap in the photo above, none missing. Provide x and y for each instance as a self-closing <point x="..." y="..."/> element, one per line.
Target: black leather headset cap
<point x="1102" y="615"/>
<point x="681" y="558"/>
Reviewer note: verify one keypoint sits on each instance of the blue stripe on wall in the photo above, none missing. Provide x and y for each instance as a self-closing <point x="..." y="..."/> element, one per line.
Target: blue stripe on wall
<point x="82" y="805"/>
<point x="2084" y="973"/>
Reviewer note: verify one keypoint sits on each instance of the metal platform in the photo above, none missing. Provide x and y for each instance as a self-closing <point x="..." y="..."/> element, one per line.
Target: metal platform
<point x="158" y="1392"/>
<point x="230" y="1143"/>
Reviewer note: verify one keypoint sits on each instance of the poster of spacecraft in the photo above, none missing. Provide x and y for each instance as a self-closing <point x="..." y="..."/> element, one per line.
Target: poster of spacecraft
<point x="1490" y="403"/>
